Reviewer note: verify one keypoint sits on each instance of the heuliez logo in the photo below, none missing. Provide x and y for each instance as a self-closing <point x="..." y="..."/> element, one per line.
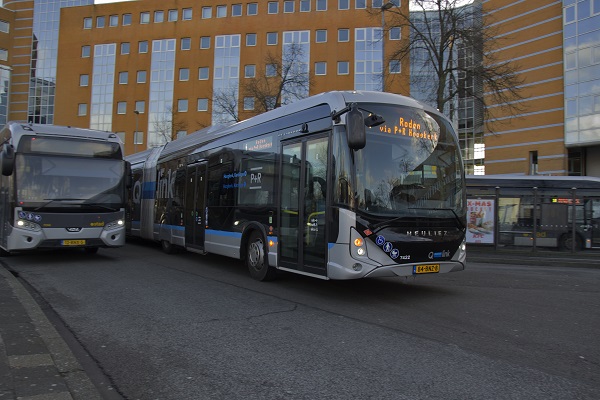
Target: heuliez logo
<point x="426" y="233"/>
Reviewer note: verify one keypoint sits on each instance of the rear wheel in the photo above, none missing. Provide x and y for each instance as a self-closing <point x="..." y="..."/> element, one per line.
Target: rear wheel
<point x="167" y="247"/>
<point x="256" y="258"/>
<point x="566" y="242"/>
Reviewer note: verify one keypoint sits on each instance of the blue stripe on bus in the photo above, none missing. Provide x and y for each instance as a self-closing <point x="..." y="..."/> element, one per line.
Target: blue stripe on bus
<point x="223" y="233"/>
<point x="148" y="190"/>
<point x="172" y="227"/>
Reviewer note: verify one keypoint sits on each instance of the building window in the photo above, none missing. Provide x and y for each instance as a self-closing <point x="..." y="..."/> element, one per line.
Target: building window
<point x="304" y="5"/>
<point x="159" y="16"/>
<point x="138" y="137"/>
<point x="321" y="36"/>
<point x="272" y="7"/>
<point x="395" y="67"/>
<point x="182" y="105"/>
<point x="248" y="103"/>
<point x="173" y="15"/>
<point x="125" y="48"/>
<point x="360" y="4"/>
<point x="186" y="14"/>
<point x="202" y="104"/>
<point x="82" y="109"/>
<point x="252" y="9"/>
<point x="321" y="68"/>
<point x="140" y="106"/>
<point x="533" y="162"/>
<point x="343" y="35"/>
<point x="203" y="73"/>
<point x="87" y="23"/>
<point x="121" y="107"/>
<point x="343" y="4"/>
<point x="113" y="21"/>
<point x="343" y="67"/>
<point x="206" y="12"/>
<point x="321" y="5"/>
<point x="395" y="33"/>
<point x="84" y="80"/>
<point x="126" y="19"/>
<point x="186" y="43"/>
<point x="236" y="10"/>
<point x="271" y="38"/>
<point x="184" y="74"/>
<point x="250" y="71"/>
<point x="251" y="39"/>
<point x="144" y="17"/>
<point x="205" y="42"/>
<point x="288" y="6"/>
<point x="5" y="26"/>
<point x="3" y="54"/>
<point x="270" y="70"/>
<point x="85" y="51"/>
<point x="143" y="46"/>
<point x="221" y="11"/>
<point x="141" y="77"/>
<point x="123" y="77"/>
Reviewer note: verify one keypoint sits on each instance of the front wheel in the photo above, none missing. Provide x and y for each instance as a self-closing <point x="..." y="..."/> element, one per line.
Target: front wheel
<point x="256" y="258"/>
<point x="167" y="247"/>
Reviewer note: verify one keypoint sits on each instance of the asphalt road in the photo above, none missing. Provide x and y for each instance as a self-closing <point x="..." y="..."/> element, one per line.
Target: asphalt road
<point x="185" y="326"/>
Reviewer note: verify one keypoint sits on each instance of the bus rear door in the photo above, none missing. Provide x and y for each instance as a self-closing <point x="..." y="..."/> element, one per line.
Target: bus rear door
<point x="303" y="245"/>
<point x="195" y="201"/>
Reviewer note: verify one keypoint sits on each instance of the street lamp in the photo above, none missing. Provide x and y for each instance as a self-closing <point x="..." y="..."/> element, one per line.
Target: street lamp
<point x="384" y="7"/>
<point x="137" y="113"/>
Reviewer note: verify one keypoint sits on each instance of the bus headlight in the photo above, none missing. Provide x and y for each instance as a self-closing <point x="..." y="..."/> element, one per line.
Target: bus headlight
<point x="358" y="246"/>
<point x="28" y="225"/>
<point x="114" y="225"/>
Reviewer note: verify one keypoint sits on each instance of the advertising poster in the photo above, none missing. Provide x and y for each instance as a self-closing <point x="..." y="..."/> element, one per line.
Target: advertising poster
<point x="480" y="221"/>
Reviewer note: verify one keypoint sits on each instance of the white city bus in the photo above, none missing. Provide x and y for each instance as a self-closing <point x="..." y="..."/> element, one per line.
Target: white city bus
<point x="341" y="185"/>
<point x="61" y="187"/>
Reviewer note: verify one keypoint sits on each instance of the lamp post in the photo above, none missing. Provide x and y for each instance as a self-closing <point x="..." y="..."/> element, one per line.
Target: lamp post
<point x="384" y="7"/>
<point x="137" y="113"/>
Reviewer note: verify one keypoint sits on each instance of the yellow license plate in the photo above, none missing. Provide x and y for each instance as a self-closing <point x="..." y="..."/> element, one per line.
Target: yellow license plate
<point x="426" y="269"/>
<point x="73" y="242"/>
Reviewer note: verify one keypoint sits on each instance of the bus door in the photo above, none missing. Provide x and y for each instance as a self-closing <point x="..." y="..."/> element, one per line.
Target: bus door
<point x="195" y="195"/>
<point x="302" y="208"/>
<point x="595" y="222"/>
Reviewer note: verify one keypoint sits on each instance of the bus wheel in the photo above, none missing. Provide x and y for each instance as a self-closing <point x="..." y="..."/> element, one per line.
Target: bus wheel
<point x="167" y="247"/>
<point x="256" y="258"/>
<point x="90" y="250"/>
<point x="566" y="242"/>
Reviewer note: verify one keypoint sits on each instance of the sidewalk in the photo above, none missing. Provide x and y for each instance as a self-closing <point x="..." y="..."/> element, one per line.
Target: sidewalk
<point x="588" y="258"/>
<point x="35" y="362"/>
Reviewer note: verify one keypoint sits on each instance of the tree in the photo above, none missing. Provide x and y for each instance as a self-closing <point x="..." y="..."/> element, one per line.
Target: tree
<point x="452" y="43"/>
<point x="284" y="79"/>
<point x="164" y="126"/>
<point x="225" y="104"/>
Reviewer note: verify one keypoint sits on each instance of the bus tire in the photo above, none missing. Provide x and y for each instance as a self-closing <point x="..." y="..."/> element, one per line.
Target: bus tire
<point x="566" y="242"/>
<point x="256" y="258"/>
<point x="167" y="247"/>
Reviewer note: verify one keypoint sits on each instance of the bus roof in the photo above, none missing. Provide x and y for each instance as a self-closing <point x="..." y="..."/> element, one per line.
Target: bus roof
<point x="19" y="128"/>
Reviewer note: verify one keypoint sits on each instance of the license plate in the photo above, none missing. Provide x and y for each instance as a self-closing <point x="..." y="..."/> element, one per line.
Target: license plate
<point x="73" y="242"/>
<point x="426" y="269"/>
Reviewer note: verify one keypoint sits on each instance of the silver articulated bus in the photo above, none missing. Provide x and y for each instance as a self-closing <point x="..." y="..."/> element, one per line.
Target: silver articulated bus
<point x="61" y="187"/>
<point x="340" y="185"/>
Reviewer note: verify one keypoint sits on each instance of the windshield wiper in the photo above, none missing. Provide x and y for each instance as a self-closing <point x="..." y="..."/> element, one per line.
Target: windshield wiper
<point x="442" y="209"/>
<point x="61" y="199"/>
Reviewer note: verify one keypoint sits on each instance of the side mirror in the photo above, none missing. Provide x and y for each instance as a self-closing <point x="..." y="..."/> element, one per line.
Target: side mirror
<point x="355" y="127"/>
<point x="7" y="159"/>
<point x="128" y="175"/>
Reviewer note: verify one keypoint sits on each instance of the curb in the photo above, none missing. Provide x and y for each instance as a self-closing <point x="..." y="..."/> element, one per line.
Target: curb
<point x="59" y="355"/>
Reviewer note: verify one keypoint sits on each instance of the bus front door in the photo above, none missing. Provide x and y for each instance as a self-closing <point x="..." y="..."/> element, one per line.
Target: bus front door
<point x="195" y="196"/>
<point x="302" y="219"/>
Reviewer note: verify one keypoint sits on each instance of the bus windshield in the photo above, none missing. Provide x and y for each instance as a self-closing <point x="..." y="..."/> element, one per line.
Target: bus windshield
<point x="55" y="181"/>
<point x="410" y="166"/>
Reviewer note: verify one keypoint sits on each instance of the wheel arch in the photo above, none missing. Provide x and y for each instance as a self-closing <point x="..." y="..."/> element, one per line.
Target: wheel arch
<point x="248" y="229"/>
